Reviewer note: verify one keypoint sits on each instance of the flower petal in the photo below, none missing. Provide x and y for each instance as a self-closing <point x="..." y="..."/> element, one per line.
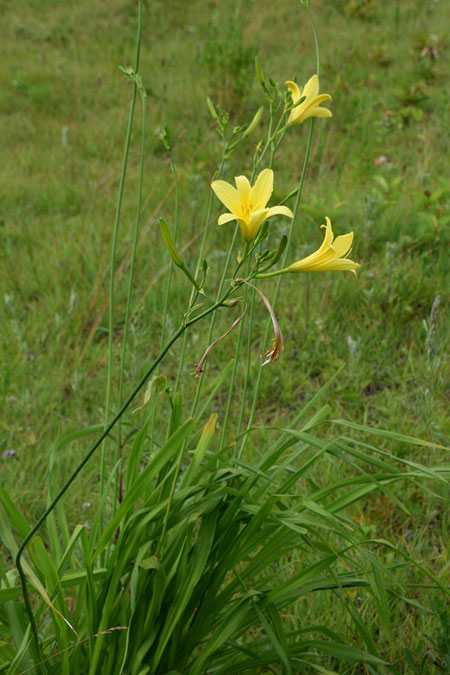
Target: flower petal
<point x="243" y="188"/>
<point x="256" y="220"/>
<point x="328" y="238"/>
<point x="279" y="211"/>
<point x="306" y="264"/>
<point x="296" y="116"/>
<point x="320" y="99"/>
<point x="311" y="88"/>
<point x="244" y="229"/>
<point x="321" y="112"/>
<point x="262" y="189"/>
<point x="342" y="264"/>
<point x="320" y="257"/>
<point x="335" y="265"/>
<point x="225" y="218"/>
<point x="228" y="195"/>
<point x="310" y="107"/>
<point x="294" y="89"/>
<point x="342" y="245"/>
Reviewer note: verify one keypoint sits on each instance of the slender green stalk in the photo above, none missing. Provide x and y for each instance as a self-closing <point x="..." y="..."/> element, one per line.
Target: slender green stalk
<point x="114" y="244"/>
<point x="249" y="358"/>
<point x="208" y="213"/>
<point x="169" y="279"/>
<point x="316" y="41"/>
<point x="130" y="284"/>
<point x="175" y="236"/>
<point x="199" y="260"/>
<point x="307" y="299"/>
<point x="235" y="366"/>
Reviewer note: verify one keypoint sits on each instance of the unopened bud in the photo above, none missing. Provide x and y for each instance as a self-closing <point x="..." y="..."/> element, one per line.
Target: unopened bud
<point x="259" y="73"/>
<point x="165" y="136"/>
<point x="263" y="232"/>
<point x="169" y="243"/>
<point x="254" y="123"/>
<point x="260" y="76"/>
<point x="127" y="70"/>
<point x="280" y="249"/>
<point x="211" y="109"/>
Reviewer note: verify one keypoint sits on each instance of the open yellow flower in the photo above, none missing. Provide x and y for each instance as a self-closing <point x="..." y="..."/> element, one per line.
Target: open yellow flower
<point x="330" y="256"/>
<point x="247" y="204"/>
<point x="311" y="105"/>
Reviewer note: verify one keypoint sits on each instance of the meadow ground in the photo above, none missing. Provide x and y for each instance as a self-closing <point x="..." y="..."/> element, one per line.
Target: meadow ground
<point x="377" y="168"/>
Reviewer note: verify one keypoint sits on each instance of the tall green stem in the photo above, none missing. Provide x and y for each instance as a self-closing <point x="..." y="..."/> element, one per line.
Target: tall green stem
<point x="175" y="237"/>
<point x="212" y="323"/>
<point x="130" y="280"/>
<point x="169" y="279"/>
<point x="316" y="41"/>
<point x="233" y="375"/>
<point x="249" y="358"/>
<point x="114" y="244"/>
<point x="199" y="260"/>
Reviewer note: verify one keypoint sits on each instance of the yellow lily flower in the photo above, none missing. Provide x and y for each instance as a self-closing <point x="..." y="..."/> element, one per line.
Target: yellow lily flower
<point x="311" y="105"/>
<point x="330" y="256"/>
<point x="247" y="204"/>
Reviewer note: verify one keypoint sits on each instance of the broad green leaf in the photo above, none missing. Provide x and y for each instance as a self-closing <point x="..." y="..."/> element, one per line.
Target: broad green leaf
<point x="390" y="435"/>
<point x="167" y="452"/>
<point x="208" y="433"/>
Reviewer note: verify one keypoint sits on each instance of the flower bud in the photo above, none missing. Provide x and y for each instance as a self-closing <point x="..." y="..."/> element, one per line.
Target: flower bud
<point x="254" y="123"/>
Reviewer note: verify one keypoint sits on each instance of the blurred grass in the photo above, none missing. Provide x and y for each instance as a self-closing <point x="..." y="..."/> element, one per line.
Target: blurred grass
<point x="377" y="168"/>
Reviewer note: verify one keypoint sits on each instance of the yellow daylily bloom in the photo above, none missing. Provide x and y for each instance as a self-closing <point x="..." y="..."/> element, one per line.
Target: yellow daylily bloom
<point x="311" y="105"/>
<point x="330" y="256"/>
<point x="247" y="204"/>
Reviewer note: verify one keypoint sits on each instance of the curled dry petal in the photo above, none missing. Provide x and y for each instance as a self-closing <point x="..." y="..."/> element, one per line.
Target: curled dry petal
<point x="199" y="367"/>
<point x="274" y="353"/>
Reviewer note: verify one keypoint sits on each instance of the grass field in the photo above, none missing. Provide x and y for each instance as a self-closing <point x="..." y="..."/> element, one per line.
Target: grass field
<point x="378" y="167"/>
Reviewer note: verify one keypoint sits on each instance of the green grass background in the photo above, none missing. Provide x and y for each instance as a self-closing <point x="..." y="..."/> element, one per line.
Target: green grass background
<point x="377" y="168"/>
